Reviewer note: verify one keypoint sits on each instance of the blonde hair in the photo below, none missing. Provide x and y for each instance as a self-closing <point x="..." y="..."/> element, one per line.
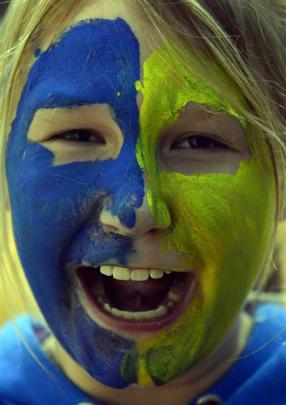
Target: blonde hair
<point x="246" y="41"/>
<point x="20" y="34"/>
<point x="244" y="38"/>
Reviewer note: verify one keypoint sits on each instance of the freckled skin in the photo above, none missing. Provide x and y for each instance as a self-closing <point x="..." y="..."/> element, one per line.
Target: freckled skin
<point x="221" y="222"/>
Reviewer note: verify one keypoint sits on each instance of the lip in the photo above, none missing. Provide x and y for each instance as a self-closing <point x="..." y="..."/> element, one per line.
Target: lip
<point x="107" y="319"/>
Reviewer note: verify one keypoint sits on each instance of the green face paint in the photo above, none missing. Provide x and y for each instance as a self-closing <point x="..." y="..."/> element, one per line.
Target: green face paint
<point x="221" y="222"/>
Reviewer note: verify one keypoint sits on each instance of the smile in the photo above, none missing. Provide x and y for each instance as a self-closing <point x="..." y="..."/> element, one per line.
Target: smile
<point x="135" y="299"/>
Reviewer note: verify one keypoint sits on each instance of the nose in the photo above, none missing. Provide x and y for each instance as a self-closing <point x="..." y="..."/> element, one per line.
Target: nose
<point x="148" y="218"/>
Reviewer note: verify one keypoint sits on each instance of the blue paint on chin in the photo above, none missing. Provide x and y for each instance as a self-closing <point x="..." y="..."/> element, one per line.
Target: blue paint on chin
<point x="56" y="209"/>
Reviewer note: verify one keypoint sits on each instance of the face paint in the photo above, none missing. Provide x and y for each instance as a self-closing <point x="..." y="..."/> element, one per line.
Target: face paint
<point x="221" y="222"/>
<point x="55" y="208"/>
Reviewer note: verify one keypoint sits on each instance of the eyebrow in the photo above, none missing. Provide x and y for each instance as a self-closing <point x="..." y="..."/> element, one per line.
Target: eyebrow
<point x="59" y="97"/>
<point x="68" y="74"/>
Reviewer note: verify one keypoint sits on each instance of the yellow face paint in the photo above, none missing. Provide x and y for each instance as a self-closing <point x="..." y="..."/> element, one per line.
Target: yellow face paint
<point x="222" y="222"/>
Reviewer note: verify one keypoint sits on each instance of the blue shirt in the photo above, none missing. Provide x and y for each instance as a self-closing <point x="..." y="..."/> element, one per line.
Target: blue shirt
<point x="27" y="376"/>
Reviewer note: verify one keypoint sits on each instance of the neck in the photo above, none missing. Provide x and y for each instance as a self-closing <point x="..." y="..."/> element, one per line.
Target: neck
<point x="179" y="391"/>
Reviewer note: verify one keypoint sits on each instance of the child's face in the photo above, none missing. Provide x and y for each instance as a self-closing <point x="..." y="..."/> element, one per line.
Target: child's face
<point x="149" y="180"/>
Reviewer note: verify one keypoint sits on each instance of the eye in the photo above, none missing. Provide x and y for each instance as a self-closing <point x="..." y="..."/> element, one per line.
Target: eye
<point x="198" y="141"/>
<point x="80" y="136"/>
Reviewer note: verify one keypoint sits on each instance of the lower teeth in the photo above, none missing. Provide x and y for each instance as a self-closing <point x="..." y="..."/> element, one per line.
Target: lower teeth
<point x="172" y="298"/>
<point x="160" y="311"/>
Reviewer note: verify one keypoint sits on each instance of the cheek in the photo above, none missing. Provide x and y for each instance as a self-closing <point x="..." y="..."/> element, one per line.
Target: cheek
<point x="49" y="196"/>
<point x="224" y="224"/>
<point x="220" y="217"/>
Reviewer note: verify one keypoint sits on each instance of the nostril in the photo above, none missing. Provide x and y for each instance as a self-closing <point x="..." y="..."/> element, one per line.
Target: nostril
<point x="155" y="231"/>
<point x="109" y="228"/>
<point x="144" y="221"/>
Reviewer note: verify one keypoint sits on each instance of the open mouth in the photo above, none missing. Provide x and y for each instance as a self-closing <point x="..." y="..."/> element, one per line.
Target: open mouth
<point x="136" y="299"/>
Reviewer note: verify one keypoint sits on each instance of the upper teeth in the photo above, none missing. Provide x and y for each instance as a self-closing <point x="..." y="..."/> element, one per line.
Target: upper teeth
<point x="123" y="273"/>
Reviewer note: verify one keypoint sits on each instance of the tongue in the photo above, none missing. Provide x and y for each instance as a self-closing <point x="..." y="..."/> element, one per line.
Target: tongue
<point x="137" y="295"/>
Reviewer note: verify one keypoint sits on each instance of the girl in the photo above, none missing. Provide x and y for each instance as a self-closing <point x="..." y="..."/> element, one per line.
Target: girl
<point x="143" y="175"/>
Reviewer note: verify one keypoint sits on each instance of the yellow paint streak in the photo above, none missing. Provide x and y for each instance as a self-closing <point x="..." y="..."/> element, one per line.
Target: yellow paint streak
<point x="143" y="376"/>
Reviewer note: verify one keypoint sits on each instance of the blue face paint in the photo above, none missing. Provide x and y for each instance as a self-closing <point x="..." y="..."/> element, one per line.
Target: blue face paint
<point x="56" y="209"/>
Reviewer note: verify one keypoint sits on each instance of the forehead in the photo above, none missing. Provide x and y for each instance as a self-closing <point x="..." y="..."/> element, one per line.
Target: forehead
<point x="109" y="53"/>
<point x="122" y="36"/>
<point x="128" y="10"/>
